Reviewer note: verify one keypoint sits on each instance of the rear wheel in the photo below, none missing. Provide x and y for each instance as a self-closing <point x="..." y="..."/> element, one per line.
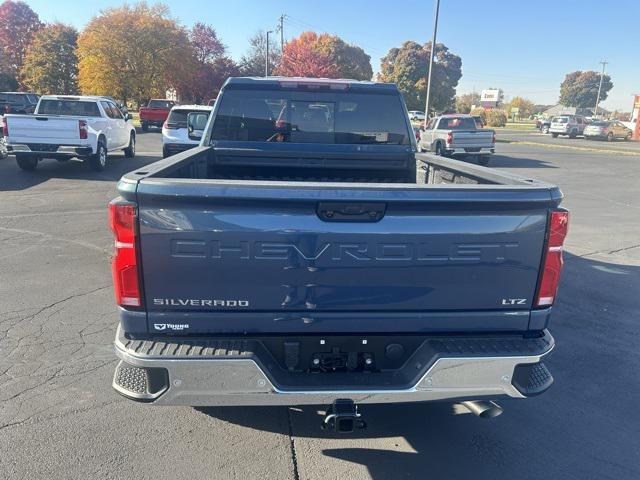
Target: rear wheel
<point x="27" y="162"/>
<point x="554" y="135"/>
<point x="130" y="151"/>
<point x="545" y="129"/>
<point x="609" y="137"/>
<point x="145" y="126"/>
<point x="628" y="137"/>
<point x="438" y="149"/>
<point x="98" y="161"/>
<point x="573" y="134"/>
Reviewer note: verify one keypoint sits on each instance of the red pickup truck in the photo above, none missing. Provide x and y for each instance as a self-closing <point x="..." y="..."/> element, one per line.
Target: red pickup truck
<point x="155" y="113"/>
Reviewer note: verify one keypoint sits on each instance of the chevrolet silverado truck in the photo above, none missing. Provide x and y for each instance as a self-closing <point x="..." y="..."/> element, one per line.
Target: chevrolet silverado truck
<point x="155" y="113"/>
<point x="458" y="135"/>
<point x="63" y="127"/>
<point x="306" y="253"/>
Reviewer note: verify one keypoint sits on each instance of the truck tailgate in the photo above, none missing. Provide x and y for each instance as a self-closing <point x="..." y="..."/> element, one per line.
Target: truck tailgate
<point x="42" y="129"/>
<point x="472" y="139"/>
<point x="282" y="255"/>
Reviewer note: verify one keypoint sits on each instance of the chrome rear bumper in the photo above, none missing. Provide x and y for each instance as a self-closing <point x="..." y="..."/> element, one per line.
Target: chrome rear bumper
<point x="195" y="378"/>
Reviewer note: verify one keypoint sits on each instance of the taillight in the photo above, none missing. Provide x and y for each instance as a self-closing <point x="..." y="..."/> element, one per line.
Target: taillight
<point x="124" y="267"/>
<point x="493" y="138"/>
<point x="83" y="129"/>
<point x="449" y="137"/>
<point x="5" y="127"/>
<point x="170" y="126"/>
<point x="558" y="226"/>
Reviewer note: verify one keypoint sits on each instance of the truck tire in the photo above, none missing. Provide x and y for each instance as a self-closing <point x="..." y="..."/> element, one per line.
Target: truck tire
<point x="554" y="135"/>
<point x="545" y="129"/>
<point x="145" y="127"/>
<point x="573" y="134"/>
<point x="438" y="150"/>
<point x="609" y="137"/>
<point x="165" y="152"/>
<point x="130" y="151"/>
<point x="27" y="162"/>
<point x="98" y="161"/>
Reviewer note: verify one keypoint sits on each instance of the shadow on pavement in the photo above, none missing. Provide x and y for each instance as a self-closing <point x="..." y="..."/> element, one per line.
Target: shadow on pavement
<point x="13" y="179"/>
<point x="585" y="426"/>
<point x="499" y="161"/>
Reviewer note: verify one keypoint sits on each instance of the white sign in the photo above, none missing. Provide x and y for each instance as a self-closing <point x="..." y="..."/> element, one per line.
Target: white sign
<point x="490" y="96"/>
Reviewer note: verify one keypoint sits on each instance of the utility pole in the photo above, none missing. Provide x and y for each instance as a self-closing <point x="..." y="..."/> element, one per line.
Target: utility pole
<point x="281" y="27"/>
<point x="433" y="53"/>
<point x="266" y="60"/>
<point x="604" y="64"/>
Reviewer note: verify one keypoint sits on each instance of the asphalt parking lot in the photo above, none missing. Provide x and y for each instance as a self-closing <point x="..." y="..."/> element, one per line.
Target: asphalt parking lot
<point x="59" y="417"/>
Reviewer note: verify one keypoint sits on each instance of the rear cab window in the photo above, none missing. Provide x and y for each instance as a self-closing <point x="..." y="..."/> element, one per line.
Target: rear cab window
<point x="68" y="107"/>
<point x="325" y="117"/>
<point x="457" y="123"/>
<point x="161" y="104"/>
<point x="178" y="116"/>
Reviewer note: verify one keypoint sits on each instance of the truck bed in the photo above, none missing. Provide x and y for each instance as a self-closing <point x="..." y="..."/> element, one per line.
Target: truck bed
<point x="226" y="249"/>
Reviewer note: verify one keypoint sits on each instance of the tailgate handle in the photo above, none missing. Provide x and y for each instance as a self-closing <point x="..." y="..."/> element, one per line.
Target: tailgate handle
<point x="351" y="211"/>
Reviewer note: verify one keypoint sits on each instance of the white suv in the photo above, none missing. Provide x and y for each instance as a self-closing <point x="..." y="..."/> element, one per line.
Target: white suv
<point x="175" y="134"/>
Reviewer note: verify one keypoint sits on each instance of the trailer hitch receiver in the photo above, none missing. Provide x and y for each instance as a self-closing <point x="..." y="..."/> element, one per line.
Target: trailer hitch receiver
<point x="343" y="417"/>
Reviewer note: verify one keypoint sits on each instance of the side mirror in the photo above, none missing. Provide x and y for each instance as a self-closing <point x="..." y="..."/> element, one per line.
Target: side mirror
<point x="196" y="123"/>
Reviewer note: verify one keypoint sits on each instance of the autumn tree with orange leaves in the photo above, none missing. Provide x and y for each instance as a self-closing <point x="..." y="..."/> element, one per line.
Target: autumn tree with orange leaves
<point x="133" y="52"/>
<point x="313" y="55"/>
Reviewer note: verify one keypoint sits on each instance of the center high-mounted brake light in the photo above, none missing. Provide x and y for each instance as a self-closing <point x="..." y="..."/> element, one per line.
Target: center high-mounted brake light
<point x="83" y="129"/>
<point x="122" y="220"/>
<point x="314" y="85"/>
<point x="548" y="288"/>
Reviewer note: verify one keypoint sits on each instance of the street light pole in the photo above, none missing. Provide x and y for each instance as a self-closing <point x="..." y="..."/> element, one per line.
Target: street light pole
<point x="604" y="64"/>
<point x="266" y="60"/>
<point x="433" y="52"/>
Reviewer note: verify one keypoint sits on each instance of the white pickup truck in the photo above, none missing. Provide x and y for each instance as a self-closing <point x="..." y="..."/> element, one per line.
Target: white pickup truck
<point x="63" y="127"/>
<point x="457" y="134"/>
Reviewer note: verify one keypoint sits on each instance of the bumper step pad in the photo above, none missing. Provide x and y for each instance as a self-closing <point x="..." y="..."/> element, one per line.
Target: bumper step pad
<point x="532" y="379"/>
<point x="144" y="384"/>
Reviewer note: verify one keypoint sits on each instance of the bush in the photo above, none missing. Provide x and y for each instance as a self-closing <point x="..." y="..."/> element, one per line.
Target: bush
<point x="481" y="112"/>
<point x="496" y="118"/>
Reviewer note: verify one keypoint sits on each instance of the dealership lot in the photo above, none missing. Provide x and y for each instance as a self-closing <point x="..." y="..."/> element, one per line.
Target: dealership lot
<point x="59" y="417"/>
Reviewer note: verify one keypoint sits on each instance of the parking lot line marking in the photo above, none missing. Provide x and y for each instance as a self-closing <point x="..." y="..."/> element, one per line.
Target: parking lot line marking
<point x="628" y="153"/>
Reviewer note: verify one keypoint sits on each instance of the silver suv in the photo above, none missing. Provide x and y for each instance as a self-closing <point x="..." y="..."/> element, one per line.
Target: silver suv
<point x="572" y="125"/>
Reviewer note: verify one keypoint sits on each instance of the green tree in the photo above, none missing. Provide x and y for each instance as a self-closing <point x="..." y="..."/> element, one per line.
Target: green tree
<point x="252" y="62"/>
<point x="134" y="52"/>
<point x="18" y="25"/>
<point x="51" y="64"/>
<point x="580" y="89"/>
<point x="351" y="60"/>
<point x="7" y="81"/>
<point x="465" y="101"/>
<point x="408" y="67"/>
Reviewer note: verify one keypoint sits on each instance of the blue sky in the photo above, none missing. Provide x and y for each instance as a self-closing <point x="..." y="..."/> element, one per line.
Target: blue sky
<point x="524" y="47"/>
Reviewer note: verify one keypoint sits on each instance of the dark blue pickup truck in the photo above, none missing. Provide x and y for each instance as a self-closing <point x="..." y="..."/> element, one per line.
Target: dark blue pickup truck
<point x="305" y="253"/>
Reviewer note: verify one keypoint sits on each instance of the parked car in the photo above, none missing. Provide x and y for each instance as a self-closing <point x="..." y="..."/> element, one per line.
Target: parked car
<point x="65" y="126"/>
<point x="17" y="102"/>
<point x="457" y="134"/>
<point x="155" y="113"/>
<point x="176" y="136"/>
<point x="298" y="258"/>
<point x="543" y="124"/>
<point x="571" y="125"/>
<point x="607" y="130"/>
<point x="416" y="116"/>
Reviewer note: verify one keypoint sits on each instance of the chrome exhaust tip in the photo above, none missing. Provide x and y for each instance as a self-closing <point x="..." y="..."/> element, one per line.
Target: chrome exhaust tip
<point x="483" y="409"/>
